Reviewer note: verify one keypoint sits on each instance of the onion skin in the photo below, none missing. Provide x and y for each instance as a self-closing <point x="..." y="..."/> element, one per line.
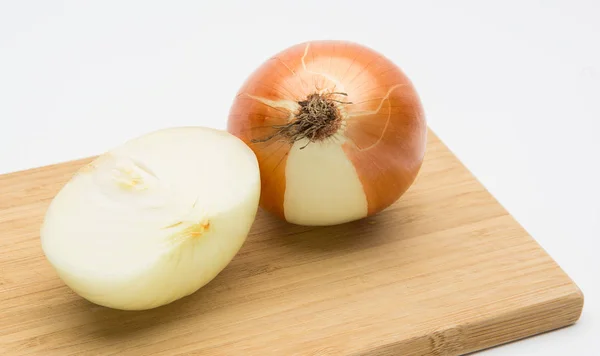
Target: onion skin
<point x="383" y="131"/>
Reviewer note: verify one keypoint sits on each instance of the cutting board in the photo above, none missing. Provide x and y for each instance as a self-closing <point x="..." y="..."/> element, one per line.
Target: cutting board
<point x="444" y="271"/>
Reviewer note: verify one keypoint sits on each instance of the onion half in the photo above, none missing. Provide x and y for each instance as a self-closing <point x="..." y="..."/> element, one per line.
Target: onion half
<point x="338" y="129"/>
<point x="154" y="219"/>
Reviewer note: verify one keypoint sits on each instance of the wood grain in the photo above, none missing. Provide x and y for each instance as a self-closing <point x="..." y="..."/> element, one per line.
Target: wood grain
<point x="444" y="271"/>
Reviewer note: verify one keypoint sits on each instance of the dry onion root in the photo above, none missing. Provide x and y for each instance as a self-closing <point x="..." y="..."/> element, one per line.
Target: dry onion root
<point x="338" y="129"/>
<point x="155" y="219"/>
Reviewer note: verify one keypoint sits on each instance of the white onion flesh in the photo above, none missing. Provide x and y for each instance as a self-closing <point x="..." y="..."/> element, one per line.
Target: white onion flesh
<point x="322" y="169"/>
<point x="155" y="219"/>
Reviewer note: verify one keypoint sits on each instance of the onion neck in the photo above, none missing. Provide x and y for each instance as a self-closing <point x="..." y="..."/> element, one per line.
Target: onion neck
<point x="318" y="117"/>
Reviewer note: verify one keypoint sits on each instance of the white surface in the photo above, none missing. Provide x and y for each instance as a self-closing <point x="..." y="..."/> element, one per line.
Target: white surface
<point x="512" y="87"/>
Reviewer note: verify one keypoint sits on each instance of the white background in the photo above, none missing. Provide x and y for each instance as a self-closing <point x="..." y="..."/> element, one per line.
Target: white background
<point x="513" y="87"/>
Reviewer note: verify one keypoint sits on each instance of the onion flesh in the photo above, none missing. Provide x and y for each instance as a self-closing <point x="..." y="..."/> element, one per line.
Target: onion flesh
<point x="154" y="219"/>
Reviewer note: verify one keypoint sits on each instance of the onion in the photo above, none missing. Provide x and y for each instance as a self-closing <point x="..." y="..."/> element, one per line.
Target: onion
<point x="154" y="219"/>
<point x="338" y="130"/>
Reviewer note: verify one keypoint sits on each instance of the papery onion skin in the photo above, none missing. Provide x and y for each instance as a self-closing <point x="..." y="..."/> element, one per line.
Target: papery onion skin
<point x="154" y="219"/>
<point x="369" y="162"/>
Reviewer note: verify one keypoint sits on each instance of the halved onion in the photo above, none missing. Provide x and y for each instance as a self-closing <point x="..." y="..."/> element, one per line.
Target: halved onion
<point x="154" y="219"/>
<point x="338" y="129"/>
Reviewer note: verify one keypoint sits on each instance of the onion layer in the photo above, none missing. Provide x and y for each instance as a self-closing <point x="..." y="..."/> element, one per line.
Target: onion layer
<point x="155" y="219"/>
<point x="338" y="129"/>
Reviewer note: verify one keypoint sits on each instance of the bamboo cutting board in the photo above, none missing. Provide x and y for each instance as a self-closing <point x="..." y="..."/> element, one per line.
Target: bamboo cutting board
<point x="444" y="271"/>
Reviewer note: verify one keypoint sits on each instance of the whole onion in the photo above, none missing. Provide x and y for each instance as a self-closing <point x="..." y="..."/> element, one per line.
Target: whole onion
<point x="338" y="129"/>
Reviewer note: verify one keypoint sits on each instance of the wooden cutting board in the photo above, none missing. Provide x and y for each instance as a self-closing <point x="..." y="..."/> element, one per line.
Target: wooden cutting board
<point x="444" y="271"/>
